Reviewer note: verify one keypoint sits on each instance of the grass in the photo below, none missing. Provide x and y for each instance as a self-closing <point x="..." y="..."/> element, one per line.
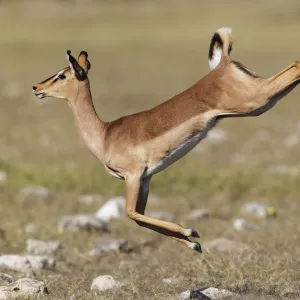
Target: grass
<point x="141" y="55"/>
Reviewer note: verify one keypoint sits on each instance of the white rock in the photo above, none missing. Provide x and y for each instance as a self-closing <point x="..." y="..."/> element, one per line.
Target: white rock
<point x="30" y="228"/>
<point x="41" y="247"/>
<point x="257" y="210"/>
<point x="243" y="225"/>
<point x="113" y="208"/>
<point x="22" y="288"/>
<point x="3" y="176"/>
<point x="171" y="280"/>
<point x="91" y="199"/>
<point x="224" y="245"/>
<point x="37" y="192"/>
<point x="198" y="214"/>
<point x="81" y="222"/>
<point x="108" y="245"/>
<point x="26" y="262"/>
<point x="216" y="135"/>
<point x="104" y="283"/>
<point x="161" y="215"/>
<point x="209" y="294"/>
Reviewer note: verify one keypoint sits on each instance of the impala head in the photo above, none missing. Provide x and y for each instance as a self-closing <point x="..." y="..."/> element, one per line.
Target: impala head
<point x="67" y="82"/>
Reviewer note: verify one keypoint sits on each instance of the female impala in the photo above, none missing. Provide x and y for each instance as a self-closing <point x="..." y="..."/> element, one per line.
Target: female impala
<point x="138" y="146"/>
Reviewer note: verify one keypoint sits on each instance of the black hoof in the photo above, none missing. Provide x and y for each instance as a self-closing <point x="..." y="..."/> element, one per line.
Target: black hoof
<point x="197" y="247"/>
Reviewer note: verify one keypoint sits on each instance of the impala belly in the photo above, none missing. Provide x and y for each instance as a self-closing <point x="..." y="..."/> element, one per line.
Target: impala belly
<point x="182" y="150"/>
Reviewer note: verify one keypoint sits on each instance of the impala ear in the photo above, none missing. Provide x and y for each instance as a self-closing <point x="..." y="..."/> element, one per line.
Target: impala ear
<point x="77" y="70"/>
<point x="83" y="61"/>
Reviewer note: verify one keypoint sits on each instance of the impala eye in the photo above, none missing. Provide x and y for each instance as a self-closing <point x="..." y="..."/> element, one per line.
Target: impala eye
<point x="61" y="77"/>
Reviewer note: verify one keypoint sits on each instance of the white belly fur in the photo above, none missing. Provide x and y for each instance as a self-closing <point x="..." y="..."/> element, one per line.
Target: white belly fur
<point x="180" y="151"/>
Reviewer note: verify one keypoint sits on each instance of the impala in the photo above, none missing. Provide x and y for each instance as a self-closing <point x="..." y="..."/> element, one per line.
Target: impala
<point x="136" y="147"/>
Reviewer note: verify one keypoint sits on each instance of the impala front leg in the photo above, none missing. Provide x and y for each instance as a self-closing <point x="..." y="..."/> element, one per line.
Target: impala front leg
<point x="136" y="200"/>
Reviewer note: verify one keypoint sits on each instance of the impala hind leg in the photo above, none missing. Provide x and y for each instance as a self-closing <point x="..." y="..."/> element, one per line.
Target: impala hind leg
<point x="136" y="200"/>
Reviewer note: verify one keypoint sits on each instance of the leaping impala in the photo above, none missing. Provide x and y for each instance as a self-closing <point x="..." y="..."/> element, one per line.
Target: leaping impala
<point x="138" y="146"/>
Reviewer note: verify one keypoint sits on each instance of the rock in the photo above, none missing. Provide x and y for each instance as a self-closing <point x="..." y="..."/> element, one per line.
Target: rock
<point x="108" y="245"/>
<point x="105" y="283"/>
<point x="22" y="288"/>
<point x="224" y="245"/>
<point x="113" y="208"/>
<point x="3" y="176"/>
<point x="243" y="225"/>
<point x="91" y="199"/>
<point x="7" y="278"/>
<point x="209" y="294"/>
<point x="216" y="135"/>
<point x="198" y="214"/>
<point x="36" y="192"/>
<point x="258" y="210"/>
<point x="41" y="247"/>
<point x="26" y="262"/>
<point x="161" y="215"/>
<point x="30" y="228"/>
<point x="171" y="280"/>
<point x="81" y="222"/>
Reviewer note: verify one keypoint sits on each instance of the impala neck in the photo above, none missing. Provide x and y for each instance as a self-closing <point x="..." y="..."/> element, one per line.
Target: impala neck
<point x="89" y="125"/>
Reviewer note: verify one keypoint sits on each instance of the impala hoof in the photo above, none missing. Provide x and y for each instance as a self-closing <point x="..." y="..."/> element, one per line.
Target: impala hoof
<point x="192" y="233"/>
<point x="197" y="247"/>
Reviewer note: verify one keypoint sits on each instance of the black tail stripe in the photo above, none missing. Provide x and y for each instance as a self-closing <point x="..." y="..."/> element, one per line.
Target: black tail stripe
<point x="216" y="39"/>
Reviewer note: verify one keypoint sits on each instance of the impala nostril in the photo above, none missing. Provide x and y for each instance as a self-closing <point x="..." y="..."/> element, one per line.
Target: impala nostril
<point x="34" y="88"/>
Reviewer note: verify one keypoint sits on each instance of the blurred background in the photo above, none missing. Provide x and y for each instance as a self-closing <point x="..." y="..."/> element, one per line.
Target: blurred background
<point x="143" y="53"/>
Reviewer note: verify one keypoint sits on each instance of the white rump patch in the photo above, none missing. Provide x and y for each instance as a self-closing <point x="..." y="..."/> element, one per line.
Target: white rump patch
<point x="216" y="58"/>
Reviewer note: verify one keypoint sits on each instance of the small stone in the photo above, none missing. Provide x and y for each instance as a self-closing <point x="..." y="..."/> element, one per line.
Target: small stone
<point x="41" y="247"/>
<point x="21" y="288"/>
<point x="81" y="222"/>
<point x="171" y="280"/>
<point x="3" y="176"/>
<point x="112" y="209"/>
<point x="36" y="192"/>
<point x="161" y="215"/>
<point x="198" y="214"/>
<point x="224" y="245"/>
<point x="243" y="225"/>
<point x="216" y="135"/>
<point x="105" y="283"/>
<point x="108" y="245"/>
<point x="91" y="199"/>
<point x="26" y="262"/>
<point x="30" y="228"/>
<point x="258" y="210"/>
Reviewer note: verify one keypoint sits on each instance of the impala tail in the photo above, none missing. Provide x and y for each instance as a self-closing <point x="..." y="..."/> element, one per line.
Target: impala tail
<point x="220" y="47"/>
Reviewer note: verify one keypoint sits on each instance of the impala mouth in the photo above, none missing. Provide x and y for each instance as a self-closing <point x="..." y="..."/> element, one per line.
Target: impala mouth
<point x="40" y="95"/>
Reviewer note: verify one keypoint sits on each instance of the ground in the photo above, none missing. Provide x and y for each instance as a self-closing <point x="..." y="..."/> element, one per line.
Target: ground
<point x="142" y="53"/>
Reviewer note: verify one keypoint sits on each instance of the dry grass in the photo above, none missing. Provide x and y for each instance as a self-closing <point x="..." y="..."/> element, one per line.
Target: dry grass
<point x="142" y="54"/>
